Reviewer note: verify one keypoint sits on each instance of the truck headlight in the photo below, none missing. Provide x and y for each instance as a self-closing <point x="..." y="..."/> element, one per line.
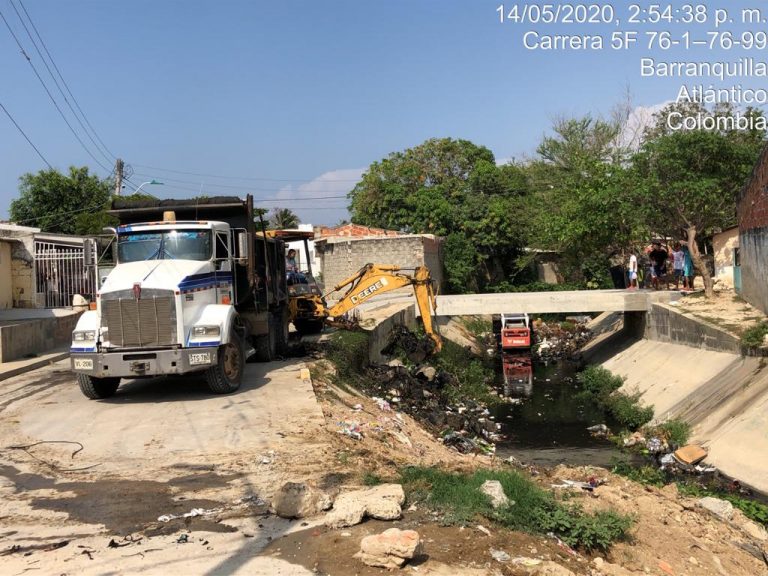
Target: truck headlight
<point x="206" y="331"/>
<point x="84" y="335"/>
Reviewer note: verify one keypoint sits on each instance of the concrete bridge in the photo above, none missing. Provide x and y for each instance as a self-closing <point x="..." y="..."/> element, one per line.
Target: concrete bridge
<point x="565" y="302"/>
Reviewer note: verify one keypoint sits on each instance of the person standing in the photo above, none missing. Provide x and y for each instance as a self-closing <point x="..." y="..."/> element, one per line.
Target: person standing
<point x="687" y="267"/>
<point x="678" y="263"/>
<point x="658" y="258"/>
<point x="633" y="272"/>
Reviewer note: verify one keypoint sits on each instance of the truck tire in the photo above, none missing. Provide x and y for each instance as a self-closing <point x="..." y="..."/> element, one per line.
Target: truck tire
<point x="281" y="322"/>
<point x="97" y="388"/>
<point x="266" y="346"/>
<point x="309" y="326"/>
<point x="227" y="375"/>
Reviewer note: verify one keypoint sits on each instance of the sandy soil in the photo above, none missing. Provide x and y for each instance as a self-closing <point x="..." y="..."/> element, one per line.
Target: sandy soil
<point x="172" y="450"/>
<point x="727" y="310"/>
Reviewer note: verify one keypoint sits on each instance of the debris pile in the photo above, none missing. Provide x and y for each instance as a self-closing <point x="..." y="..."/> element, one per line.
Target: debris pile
<point x="420" y="391"/>
<point x="559" y="340"/>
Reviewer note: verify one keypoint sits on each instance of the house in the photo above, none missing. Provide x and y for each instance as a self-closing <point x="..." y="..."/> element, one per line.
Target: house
<point x="725" y="246"/>
<point x="752" y="217"/>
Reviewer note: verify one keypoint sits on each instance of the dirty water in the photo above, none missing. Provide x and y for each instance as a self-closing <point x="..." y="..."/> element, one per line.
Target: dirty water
<point x="126" y="506"/>
<point x="544" y="424"/>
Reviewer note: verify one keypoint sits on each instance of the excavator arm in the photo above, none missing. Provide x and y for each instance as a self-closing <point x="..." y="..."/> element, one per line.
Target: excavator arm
<point x="374" y="279"/>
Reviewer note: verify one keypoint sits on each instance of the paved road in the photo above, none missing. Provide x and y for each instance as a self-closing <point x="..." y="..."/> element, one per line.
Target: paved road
<point x="160" y="446"/>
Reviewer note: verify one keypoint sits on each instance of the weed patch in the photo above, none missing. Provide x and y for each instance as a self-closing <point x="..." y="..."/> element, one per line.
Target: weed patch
<point x="601" y="386"/>
<point x="458" y="498"/>
<point x="752" y="509"/>
<point x="473" y="377"/>
<point x="753" y="337"/>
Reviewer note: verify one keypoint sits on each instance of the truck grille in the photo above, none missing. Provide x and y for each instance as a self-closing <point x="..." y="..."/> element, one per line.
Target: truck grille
<point x="149" y="321"/>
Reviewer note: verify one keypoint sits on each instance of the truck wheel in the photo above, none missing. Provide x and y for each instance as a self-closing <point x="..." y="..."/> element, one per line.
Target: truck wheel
<point x="266" y="346"/>
<point x="280" y="327"/>
<point x="309" y="326"/>
<point x="97" y="388"/>
<point x="227" y="375"/>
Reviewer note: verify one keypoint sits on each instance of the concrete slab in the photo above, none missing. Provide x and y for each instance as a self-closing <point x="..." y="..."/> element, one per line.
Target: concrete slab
<point x="666" y="373"/>
<point x="17" y="367"/>
<point x="551" y="302"/>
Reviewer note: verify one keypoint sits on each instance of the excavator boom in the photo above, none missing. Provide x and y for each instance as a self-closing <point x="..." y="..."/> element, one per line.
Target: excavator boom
<point x="374" y="279"/>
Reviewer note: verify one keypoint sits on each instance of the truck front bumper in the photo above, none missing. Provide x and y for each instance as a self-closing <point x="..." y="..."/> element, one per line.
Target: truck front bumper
<point x="144" y="363"/>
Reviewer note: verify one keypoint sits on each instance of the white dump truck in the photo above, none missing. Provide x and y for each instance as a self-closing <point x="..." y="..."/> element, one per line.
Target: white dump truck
<point x="196" y="287"/>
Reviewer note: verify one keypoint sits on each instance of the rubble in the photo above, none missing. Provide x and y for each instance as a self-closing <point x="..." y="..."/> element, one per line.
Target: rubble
<point x="720" y="508"/>
<point x="299" y="500"/>
<point x="495" y="491"/>
<point x="381" y="502"/>
<point x="390" y="549"/>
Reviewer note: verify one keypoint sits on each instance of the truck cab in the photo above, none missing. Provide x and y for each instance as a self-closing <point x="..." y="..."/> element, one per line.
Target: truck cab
<point x="184" y="296"/>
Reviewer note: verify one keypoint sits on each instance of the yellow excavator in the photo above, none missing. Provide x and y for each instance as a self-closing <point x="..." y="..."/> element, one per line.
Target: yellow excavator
<point x="373" y="279"/>
<point x="307" y="306"/>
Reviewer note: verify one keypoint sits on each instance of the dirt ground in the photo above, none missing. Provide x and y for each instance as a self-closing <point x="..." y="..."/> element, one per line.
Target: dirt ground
<point x="171" y="449"/>
<point x="727" y="310"/>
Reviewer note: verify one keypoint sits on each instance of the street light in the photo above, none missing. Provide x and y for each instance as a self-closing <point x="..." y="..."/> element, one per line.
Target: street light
<point x="150" y="182"/>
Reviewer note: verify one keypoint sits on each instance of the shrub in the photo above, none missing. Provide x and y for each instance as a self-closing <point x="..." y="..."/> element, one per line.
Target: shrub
<point x="754" y="337"/>
<point x="627" y="411"/>
<point x="598" y="382"/>
<point x="677" y="432"/>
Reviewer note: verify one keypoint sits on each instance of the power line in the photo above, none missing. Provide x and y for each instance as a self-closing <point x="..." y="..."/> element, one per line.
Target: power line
<point x="25" y="136"/>
<point x="50" y="73"/>
<point x="64" y="81"/>
<point x="215" y="185"/>
<point x="239" y="177"/>
<point x="45" y="87"/>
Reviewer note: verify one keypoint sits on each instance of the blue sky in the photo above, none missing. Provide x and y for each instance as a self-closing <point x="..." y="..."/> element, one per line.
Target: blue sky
<point x="299" y="96"/>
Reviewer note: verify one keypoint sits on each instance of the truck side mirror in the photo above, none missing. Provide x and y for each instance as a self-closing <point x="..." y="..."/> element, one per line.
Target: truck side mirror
<point x="243" y="247"/>
<point x="89" y="252"/>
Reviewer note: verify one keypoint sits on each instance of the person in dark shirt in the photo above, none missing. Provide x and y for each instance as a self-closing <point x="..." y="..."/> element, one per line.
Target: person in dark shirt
<point x="658" y="258"/>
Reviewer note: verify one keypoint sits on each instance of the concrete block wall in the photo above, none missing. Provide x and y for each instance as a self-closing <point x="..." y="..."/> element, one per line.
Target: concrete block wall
<point x="23" y="283"/>
<point x="342" y="258"/>
<point x="663" y="323"/>
<point x="752" y="212"/>
<point x="32" y="337"/>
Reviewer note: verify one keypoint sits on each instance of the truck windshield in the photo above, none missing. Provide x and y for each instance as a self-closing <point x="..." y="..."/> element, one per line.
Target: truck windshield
<point x="165" y="245"/>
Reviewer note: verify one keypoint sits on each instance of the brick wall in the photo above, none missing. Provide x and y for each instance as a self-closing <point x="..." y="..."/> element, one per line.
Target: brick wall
<point x="341" y="258"/>
<point x="752" y="212"/>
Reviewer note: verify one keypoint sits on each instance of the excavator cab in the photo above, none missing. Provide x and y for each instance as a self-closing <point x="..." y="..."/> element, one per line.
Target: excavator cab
<point x="306" y="306"/>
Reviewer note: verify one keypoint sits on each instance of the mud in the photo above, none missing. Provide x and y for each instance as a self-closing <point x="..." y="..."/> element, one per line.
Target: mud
<point x="126" y="506"/>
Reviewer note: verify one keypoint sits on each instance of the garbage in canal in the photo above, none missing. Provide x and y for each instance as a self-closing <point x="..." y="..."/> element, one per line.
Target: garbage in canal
<point x="351" y="429"/>
<point x="467" y="445"/>
<point x="588" y="486"/>
<point x="183" y="539"/>
<point x="690" y="454"/>
<point x="500" y="556"/>
<point x="599" y="430"/>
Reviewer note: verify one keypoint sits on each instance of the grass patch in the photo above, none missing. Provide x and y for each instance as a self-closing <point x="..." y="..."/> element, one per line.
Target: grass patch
<point x="752" y="509"/>
<point x="348" y="350"/>
<point x="601" y="386"/>
<point x="477" y="326"/>
<point x="371" y="479"/>
<point x="458" y="498"/>
<point x="646" y="475"/>
<point x="472" y="376"/>
<point x="753" y="337"/>
<point x="677" y="432"/>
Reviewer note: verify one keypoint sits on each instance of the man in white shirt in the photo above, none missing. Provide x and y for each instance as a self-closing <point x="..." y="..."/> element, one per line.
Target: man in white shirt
<point x="633" y="272"/>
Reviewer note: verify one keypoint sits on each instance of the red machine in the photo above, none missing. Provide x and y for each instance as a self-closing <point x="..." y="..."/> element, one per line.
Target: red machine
<point x="515" y="332"/>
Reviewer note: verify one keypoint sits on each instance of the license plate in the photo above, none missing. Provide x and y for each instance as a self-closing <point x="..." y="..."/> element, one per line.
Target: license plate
<point x="199" y="358"/>
<point x="83" y="363"/>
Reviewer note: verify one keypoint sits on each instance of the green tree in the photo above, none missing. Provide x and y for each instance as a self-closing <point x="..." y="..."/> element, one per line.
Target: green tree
<point x="283" y="218"/>
<point x="450" y="188"/>
<point x="689" y="179"/>
<point x="579" y="204"/>
<point x="73" y="203"/>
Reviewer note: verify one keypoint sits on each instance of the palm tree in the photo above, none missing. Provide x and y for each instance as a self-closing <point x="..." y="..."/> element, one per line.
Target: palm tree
<point x="282" y="218"/>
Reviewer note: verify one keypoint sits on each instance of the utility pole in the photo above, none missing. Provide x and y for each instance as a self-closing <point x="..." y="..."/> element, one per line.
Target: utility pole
<point x="118" y="176"/>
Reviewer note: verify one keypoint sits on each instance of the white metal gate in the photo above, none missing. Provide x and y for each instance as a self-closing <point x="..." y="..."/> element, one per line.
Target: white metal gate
<point x="60" y="273"/>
